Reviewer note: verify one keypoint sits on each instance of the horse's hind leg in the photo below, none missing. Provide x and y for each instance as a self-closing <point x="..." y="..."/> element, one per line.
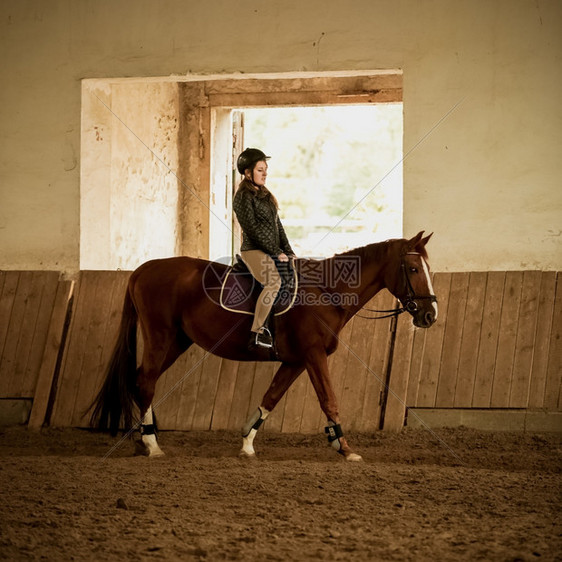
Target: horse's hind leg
<point x="148" y="443"/>
<point x="150" y="370"/>
<point x="283" y="379"/>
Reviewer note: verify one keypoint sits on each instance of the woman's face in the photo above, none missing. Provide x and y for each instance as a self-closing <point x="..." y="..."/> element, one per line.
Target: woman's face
<point x="260" y="173"/>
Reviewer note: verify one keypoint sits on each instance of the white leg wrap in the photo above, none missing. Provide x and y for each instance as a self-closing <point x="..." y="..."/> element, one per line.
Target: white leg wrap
<point x="250" y="430"/>
<point x="149" y="441"/>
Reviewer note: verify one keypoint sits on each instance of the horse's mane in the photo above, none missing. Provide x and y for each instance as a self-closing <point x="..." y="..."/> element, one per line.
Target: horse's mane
<point x="376" y="250"/>
<point x="369" y="252"/>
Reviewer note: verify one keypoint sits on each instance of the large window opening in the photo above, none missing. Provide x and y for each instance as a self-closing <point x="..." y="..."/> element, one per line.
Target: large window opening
<point x="335" y="170"/>
<point x="158" y="162"/>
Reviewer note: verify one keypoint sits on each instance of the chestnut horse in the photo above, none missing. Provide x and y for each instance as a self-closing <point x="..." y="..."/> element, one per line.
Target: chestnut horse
<point x="167" y="297"/>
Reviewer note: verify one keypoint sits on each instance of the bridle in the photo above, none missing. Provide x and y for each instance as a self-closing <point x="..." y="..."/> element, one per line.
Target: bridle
<point x="409" y="302"/>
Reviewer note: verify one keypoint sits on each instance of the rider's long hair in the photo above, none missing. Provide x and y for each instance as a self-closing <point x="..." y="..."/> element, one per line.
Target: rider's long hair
<point x="262" y="191"/>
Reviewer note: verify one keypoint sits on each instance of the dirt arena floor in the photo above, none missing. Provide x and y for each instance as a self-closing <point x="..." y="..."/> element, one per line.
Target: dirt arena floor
<point x="449" y="495"/>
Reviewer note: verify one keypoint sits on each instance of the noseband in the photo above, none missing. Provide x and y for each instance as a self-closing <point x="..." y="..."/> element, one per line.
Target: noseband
<point x="409" y="303"/>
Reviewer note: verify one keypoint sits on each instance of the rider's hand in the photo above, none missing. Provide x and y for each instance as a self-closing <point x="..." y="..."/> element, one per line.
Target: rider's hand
<point x="283" y="257"/>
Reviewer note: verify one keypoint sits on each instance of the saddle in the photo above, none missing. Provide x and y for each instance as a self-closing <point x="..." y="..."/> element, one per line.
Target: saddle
<point x="239" y="290"/>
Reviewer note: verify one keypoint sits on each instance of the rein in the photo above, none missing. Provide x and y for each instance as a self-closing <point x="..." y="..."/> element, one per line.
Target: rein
<point x="410" y="305"/>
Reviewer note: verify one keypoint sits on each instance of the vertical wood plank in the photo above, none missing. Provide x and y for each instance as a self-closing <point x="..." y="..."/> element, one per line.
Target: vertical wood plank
<point x="263" y="375"/>
<point x="71" y="368"/>
<point x="97" y="318"/>
<point x="524" y="345"/>
<point x="452" y="339"/>
<point x="313" y="417"/>
<point x="552" y="399"/>
<point x="378" y="362"/>
<point x="416" y="362"/>
<point x="178" y="391"/>
<point x="206" y="393"/>
<point x="2" y="279"/>
<point x="470" y="339"/>
<point x="355" y="375"/>
<point x="294" y="406"/>
<point x="274" y="421"/>
<point x="113" y="314"/>
<point x="542" y="339"/>
<point x="48" y="282"/>
<point x="16" y="325"/>
<point x="242" y="392"/>
<point x="20" y="386"/>
<point x="167" y="403"/>
<point x="503" y="370"/>
<point x="489" y="336"/>
<point x="51" y="352"/>
<point x="395" y="409"/>
<point x="224" y="395"/>
<point x="429" y="372"/>
<point x="7" y="299"/>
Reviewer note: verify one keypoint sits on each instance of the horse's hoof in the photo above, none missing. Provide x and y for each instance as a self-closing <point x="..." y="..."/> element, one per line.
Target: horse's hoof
<point x="244" y="455"/>
<point x="156" y="453"/>
<point x="353" y="457"/>
<point x="141" y="450"/>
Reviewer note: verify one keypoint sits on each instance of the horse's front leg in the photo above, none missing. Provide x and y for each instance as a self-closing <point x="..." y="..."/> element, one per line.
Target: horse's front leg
<point x="317" y="367"/>
<point x="283" y="379"/>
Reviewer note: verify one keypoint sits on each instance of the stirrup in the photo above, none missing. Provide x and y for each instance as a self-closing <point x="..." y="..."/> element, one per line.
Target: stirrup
<point x="264" y="339"/>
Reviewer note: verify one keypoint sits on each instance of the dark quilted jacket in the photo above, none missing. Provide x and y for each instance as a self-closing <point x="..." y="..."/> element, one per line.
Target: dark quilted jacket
<point x="261" y="226"/>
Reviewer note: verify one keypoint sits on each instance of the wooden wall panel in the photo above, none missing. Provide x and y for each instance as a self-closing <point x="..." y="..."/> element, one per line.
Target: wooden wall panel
<point x="496" y="343"/>
<point x="500" y="348"/>
<point x="27" y="304"/>
<point x="93" y="328"/>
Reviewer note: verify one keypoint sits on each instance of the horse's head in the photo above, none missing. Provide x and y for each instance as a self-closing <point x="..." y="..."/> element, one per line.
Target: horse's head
<point x="408" y="279"/>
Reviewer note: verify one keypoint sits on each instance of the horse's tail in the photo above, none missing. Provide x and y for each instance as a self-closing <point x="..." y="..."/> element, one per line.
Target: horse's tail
<point x="116" y="398"/>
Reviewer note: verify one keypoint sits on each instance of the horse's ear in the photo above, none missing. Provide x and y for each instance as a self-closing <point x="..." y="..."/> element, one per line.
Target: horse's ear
<point x="413" y="242"/>
<point x="425" y="240"/>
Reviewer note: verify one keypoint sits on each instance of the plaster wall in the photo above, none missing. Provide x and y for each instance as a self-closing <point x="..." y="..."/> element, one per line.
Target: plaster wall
<point x="128" y="182"/>
<point x="482" y="119"/>
<point x="144" y="184"/>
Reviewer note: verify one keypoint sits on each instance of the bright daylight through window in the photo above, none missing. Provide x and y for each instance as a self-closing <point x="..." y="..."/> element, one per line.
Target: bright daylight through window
<point x="336" y="171"/>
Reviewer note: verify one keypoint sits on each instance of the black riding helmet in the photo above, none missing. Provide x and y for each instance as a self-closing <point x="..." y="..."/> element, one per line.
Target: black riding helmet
<point x="248" y="158"/>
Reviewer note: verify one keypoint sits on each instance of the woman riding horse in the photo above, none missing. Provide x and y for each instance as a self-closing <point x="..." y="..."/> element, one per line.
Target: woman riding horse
<point x="263" y="236"/>
<point x="174" y="309"/>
